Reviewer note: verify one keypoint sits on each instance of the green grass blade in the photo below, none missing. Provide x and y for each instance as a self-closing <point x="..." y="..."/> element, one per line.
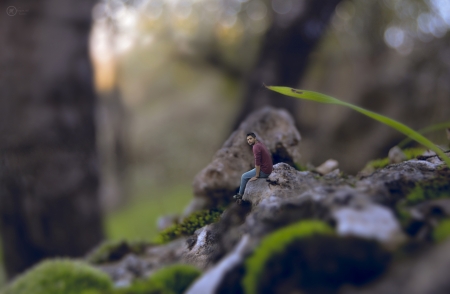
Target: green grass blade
<point x="318" y="97"/>
<point x="426" y="130"/>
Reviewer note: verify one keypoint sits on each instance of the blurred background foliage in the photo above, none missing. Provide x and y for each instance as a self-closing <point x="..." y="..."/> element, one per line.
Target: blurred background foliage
<point x="170" y="77"/>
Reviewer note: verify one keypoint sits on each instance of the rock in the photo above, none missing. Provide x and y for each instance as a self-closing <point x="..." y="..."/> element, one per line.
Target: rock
<point x="308" y="195"/>
<point x="327" y="167"/>
<point x="284" y="182"/>
<point x="217" y="182"/>
<point x="201" y="247"/>
<point x="396" y="155"/>
<point x="371" y="221"/>
<point x="210" y="281"/>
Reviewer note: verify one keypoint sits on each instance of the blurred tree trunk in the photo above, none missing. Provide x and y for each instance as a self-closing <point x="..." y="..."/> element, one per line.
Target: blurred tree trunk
<point x="284" y="55"/>
<point x="49" y="202"/>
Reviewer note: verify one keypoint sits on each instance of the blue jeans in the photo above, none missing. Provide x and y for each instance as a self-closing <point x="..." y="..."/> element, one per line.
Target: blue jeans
<point x="247" y="176"/>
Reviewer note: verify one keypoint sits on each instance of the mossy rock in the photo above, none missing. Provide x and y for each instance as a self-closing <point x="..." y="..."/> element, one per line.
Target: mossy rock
<point x="442" y="231"/>
<point x="437" y="187"/>
<point x="189" y="225"/>
<point x="276" y="243"/>
<point x="174" y="279"/>
<point x="321" y="264"/>
<point x="113" y="250"/>
<point x="57" y="276"/>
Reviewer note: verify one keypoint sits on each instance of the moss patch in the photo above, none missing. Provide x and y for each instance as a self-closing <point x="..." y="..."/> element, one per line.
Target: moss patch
<point x="377" y="163"/>
<point x="322" y="264"/>
<point x="410" y="153"/>
<point x="431" y="189"/>
<point x="189" y="225"/>
<point x="174" y="279"/>
<point x="276" y="243"/>
<point x="113" y="250"/>
<point x="435" y="188"/>
<point x="58" y="276"/>
<point x="300" y="167"/>
<point x="442" y="231"/>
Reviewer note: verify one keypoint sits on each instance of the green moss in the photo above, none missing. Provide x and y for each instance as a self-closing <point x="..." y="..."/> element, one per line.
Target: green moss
<point x="113" y="250"/>
<point x="189" y="225"/>
<point x="176" y="278"/>
<point x="431" y="189"/>
<point x="442" y="231"/>
<point x="58" y="276"/>
<point x="435" y="188"/>
<point x="300" y="167"/>
<point x="276" y="243"/>
<point x="410" y="153"/>
<point x="173" y="279"/>
<point x="377" y="163"/>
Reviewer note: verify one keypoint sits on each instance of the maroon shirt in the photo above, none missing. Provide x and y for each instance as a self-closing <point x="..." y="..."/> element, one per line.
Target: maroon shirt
<point x="263" y="158"/>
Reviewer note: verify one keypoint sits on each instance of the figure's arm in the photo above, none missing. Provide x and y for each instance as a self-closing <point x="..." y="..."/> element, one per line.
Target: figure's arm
<point x="257" y="153"/>
<point x="257" y="171"/>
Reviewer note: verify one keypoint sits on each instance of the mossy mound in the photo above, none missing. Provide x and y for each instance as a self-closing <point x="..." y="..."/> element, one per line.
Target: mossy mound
<point x="442" y="231"/>
<point x="57" y="276"/>
<point x="189" y="225"/>
<point x="174" y="279"/>
<point x="276" y="243"/>
<point x="113" y="250"/>
<point x="321" y="264"/>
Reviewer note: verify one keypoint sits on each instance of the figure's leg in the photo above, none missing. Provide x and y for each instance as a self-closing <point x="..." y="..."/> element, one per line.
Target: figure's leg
<point x="244" y="179"/>
<point x="263" y="175"/>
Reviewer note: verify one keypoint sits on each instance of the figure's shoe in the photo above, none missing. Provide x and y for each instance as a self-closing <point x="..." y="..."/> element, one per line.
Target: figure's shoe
<point x="237" y="196"/>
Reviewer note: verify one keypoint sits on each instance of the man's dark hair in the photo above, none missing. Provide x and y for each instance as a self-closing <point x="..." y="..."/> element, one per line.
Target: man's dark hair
<point x="251" y="134"/>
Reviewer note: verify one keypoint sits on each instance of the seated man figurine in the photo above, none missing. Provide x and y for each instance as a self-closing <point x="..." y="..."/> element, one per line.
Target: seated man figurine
<point x="263" y="164"/>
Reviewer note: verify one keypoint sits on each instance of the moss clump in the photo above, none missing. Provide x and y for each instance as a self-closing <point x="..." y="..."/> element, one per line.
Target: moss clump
<point x="113" y="250"/>
<point x="431" y="189"/>
<point x="377" y="163"/>
<point x="276" y="243"/>
<point x="300" y="167"/>
<point x="410" y="153"/>
<point x="189" y="225"/>
<point x="174" y="279"/>
<point x="59" y="276"/>
<point x="435" y="188"/>
<point x="442" y="231"/>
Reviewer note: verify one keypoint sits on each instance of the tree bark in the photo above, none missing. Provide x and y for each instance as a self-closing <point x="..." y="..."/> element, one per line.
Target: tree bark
<point x="285" y="53"/>
<point x="49" y="202"/>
